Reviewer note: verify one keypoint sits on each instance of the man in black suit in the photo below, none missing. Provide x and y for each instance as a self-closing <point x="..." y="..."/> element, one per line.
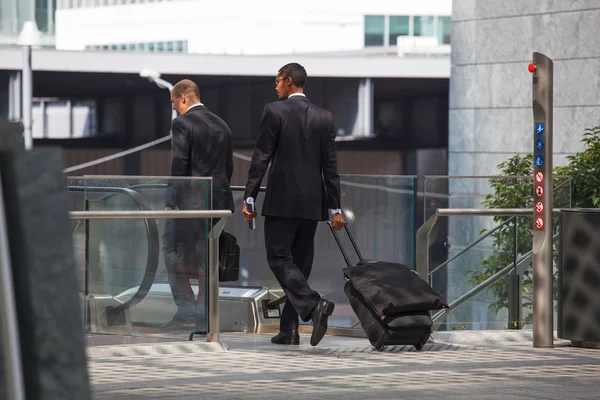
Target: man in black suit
<point x="201" y="146"/>
<point x="298" y="139"/>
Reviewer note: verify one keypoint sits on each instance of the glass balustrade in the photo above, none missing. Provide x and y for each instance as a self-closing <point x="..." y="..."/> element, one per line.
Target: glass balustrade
<point x="466" y="250"/>
<point x="122" y="263"/>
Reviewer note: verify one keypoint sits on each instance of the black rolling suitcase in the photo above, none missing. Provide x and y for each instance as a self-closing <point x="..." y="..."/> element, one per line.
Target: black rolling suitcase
<point x="391" y="302"/>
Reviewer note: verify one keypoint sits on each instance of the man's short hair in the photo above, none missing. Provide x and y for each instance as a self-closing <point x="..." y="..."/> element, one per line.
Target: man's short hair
<point x="187" y="88"/>
<point x="296" y="72"/>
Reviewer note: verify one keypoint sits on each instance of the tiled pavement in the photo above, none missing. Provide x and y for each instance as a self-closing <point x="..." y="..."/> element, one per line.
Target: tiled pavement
<point x="343" y="368"/>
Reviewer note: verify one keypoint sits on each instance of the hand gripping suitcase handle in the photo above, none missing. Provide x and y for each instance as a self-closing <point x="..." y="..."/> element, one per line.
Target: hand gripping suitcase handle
<point x="339" y="242"/>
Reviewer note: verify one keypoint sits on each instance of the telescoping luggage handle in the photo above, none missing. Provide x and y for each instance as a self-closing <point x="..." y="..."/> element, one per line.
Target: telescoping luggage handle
<point x="339" y="242"/>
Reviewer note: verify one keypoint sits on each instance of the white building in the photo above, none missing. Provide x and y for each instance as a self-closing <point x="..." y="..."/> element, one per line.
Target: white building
<point x="243" y="27"/>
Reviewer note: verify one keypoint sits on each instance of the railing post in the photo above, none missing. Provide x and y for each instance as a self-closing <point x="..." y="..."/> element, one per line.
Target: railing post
<point x="213" y="281"/>
<point x="422" y="254"/>
<point x="514" y="286"/>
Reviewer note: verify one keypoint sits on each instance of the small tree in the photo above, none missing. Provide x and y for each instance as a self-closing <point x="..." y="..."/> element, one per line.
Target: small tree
<point x="584" y="169"/>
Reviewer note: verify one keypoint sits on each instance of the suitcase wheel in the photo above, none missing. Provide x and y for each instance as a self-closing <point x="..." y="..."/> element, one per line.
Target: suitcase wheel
<point x="421" y="344"/>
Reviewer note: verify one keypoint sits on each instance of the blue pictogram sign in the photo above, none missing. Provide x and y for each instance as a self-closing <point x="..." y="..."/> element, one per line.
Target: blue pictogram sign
<point x="539" y="161"/>
<point x="539" y="145"/>
<point x="539" y="129"/>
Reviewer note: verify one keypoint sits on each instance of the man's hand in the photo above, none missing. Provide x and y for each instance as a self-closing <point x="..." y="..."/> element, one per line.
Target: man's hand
<point x="171" y="209"/>
<point x="337" y="221"/>
<point x="248" y="216"/>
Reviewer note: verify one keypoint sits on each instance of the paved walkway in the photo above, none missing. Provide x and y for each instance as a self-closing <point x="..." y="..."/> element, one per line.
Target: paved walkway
<point x="507" y="367"/>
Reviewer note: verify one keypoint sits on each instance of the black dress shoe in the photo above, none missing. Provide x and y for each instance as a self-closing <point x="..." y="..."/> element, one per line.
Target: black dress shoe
<point x="319" y="317"/>
<point x="288" y="337"/>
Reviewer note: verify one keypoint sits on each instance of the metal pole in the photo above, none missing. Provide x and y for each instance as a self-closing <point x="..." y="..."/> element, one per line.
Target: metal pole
<point x="213" y="281"/>
<point x="213" y="290"/>
<point x="543" y="79"/>
<point x="27" y="79"/>
<point x="8" y="317"/>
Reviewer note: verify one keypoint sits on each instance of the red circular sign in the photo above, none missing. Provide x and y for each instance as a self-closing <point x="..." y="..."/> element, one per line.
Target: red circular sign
<point x="539" y="177"/>
<point x="539" y="223"/>
<point x="539" y="207"/>
<point x="539" y="190"/>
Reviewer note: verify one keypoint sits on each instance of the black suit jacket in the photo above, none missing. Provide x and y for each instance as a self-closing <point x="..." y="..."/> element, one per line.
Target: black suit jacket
<point x="201" y="146"/>
<point x="298" y="139"/>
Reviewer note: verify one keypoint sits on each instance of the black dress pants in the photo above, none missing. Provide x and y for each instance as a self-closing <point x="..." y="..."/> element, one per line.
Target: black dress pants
<point x="290" y="250"/>
<point x="184" y="250"/>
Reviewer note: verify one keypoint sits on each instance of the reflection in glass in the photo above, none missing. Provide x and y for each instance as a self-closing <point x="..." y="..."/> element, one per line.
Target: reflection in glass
<point x="123" y="261"/>
<point x="423" y="26"/>
<point x="444" y="30"/>
<point x="399" y="26"/>
<point x="374" y="30"/>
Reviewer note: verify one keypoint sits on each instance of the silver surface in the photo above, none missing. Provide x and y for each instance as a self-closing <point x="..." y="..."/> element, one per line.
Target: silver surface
<point x="99" y="323"/>
<point x="542" y="239"/>
<point x="487" y="212"/>
<point x="27" y="97"/>
<point x="150" y="214"/>
<point x="213" y="280"/>
<point x="8" y="316"/>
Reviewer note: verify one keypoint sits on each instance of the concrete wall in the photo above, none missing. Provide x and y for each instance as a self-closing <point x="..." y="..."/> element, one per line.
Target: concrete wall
<point x="490" y="87"/>
<point x="490" y="115"/>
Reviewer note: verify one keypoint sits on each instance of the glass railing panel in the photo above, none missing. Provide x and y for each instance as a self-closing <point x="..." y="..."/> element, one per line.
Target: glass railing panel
<point x="76" y="198"/>
<point x="380" y="211"/>
<point x="455" y="234"/>
<point x="467" y="267"/>
<point x="127" y="259"/>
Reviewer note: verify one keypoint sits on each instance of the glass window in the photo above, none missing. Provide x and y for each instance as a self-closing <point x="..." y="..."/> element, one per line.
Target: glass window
<point x="424" y="26"/>
<point x="374" y="30"/>
<point x="169" y="46"/>
<point x="444" y="30"/>
<point x="399" y="26"/>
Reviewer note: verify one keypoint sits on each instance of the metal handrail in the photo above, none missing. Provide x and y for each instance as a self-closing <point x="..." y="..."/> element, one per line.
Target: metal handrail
<point x="503" y="273"/>
<point x="488" y="212"/>
<point x="153" y="240"/>
<point x="445" y="212"/>
<point x="149" y="214"/>
<point x="423" y="248"/>
<point x="213" y="254"/>
<point x="163" y="185"/>
<point x="470" y="246"/>
<point x="422" y="236"/>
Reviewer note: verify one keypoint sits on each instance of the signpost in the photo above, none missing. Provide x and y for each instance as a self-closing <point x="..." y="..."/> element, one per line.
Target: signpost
<point x="542" y="70"/>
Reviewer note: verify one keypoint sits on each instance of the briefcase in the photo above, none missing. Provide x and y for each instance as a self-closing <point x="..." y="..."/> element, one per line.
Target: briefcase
<point x="229" y="258"/>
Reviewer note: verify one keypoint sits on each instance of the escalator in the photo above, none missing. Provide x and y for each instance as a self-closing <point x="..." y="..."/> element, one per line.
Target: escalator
<point x="121" y="298"/>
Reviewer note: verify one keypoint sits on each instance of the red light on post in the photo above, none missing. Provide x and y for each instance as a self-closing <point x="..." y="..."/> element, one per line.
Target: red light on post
<point x="531" y="67"/>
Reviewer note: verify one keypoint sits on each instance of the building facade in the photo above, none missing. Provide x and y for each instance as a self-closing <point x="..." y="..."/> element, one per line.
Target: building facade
<point x="14" y="13"/>
<point x="241" y="27"/>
